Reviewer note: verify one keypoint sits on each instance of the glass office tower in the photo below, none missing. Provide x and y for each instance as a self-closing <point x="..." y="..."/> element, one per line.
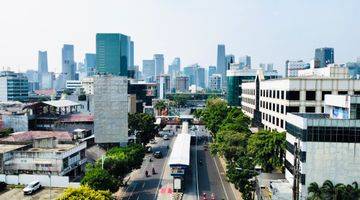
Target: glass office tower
<point x="112" y="53"/>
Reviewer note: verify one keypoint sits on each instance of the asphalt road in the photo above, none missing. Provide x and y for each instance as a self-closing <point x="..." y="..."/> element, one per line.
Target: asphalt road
<point x="211" y="175"/>
<point x="145" y="188"/>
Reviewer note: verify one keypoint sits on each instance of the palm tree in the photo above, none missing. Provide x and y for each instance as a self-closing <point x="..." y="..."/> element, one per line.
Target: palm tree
<point x="328" y="190"/>
<point x="160" y="106"/>
<point x="314" y="192"/>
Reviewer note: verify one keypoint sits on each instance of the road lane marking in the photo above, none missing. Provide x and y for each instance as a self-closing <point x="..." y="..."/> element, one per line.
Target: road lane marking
<point x="196" y="171"/>
<point x="132" y="191"/>
<point x="143" y="185"/>
<point x="163" y="169"/>
<point x="222" y="183"/>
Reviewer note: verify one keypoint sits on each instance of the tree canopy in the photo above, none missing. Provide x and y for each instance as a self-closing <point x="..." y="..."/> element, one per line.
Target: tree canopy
<point x="329" y="191"/>
<point x="267" y="148"/>
<point x="99" y="179"/>
<point x="214" y="113"/>
<point x="143" y="125"/>
<point x="85" y="193"/>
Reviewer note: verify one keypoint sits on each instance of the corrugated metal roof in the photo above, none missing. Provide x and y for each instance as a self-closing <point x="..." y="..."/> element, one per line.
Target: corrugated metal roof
<point x="61" y="103"/>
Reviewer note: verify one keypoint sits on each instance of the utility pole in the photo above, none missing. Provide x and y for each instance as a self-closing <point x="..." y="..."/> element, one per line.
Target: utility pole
<point x="296" y="171"/>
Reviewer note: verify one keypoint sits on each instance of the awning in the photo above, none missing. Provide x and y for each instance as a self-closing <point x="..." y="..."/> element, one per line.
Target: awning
<point x="61" y="103"/>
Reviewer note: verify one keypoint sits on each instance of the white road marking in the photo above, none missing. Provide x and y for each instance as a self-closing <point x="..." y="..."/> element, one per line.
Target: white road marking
<point x="143" y="185"/>
<point x="196" y="171"/>
<point x="222" y="183"/>
<point x="132" y="191"/>
<point x="163" y="170"/>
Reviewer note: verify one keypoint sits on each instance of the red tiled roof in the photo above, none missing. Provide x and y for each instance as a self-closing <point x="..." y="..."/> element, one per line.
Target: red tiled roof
<point x="31" y="135"/>
<point x="78" y="118"/>
<point x="47" y="92"/>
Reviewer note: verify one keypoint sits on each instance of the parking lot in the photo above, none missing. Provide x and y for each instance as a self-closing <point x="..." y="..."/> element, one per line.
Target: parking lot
<point x="43" y="194"/>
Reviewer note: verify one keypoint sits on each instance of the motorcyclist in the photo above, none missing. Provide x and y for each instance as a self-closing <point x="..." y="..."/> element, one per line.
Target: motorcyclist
<point x="153" y="171"/>
<point x="146" y="173"/>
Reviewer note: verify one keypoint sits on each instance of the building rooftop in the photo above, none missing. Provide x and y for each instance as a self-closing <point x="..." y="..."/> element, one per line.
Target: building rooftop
<point x="29" y="136"/>
<point x="77" y="118"/>
<point x="46" y="92"/>
<point x="9" y="147"/>
<point x="61" y="103"/>
<point x="58" y="148"/>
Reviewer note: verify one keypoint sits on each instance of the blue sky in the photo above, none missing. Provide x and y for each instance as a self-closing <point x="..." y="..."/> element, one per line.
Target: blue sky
<point x="268" y="30"/>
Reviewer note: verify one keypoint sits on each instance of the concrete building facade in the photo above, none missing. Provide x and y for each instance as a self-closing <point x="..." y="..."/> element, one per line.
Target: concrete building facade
<point x="110" y="109"/>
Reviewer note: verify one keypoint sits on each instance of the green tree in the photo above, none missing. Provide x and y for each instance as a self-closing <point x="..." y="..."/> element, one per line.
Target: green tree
<point x="122" y="160"/>
<point x="99" y="179"/>
<point x="180" y="100"/>
<point x="267" y="148"/>
<point x="230" y="144"/>
<point x="85" y="193"/>
<point x="143" y="125"/>
<point x="6" y="132"/>
<point x="214" y="113"/>
<point x="160" y="106"/>
<point x="314" y="192"/>
<point x="236" y="120"/>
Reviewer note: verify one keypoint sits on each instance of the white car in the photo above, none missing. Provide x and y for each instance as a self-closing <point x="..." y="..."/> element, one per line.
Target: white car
<point x="166" y="137"/>
<point x="32" y="187"/>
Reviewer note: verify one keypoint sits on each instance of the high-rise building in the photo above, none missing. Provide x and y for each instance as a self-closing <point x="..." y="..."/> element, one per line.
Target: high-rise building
<point x="325" y="56"/>
<point x="33" y="79"/>
<point x="215" y="82"/>
<point x="237" y="77"/>
<point x="164" y="85"/>
<point x="245" y="62"/>
<point x="132" y="55"/>
<point x="110" y="109"/>
<point x="229" y="59"/>
<point x="42" y="62"/>
<point x="174" y="67"/>
<point x="68" y="63"/>
<point x="182" y="84"/>
<point x="262" y="66"/>
<point x="270" y="67"/>
<point x="209" y="71"/>
<point x="13" y="86"/>
<point x="191" y="72"/>
<point x="90" y="63"/>
<point x="201" y="77"/>
<point x="112" y="53"/>
<point x="292" y="67"/>
<point x="159" y="64"/>
<point x="221" y="63"/>
<point x="148" y="70"/>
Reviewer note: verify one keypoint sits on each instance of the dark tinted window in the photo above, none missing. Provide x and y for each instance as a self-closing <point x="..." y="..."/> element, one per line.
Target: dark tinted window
<point x="290" y="109"/>
<point x="342" y="92"/>
<point x="310" y="109"/>
<point x="324" y="93"/>
<point x="282" y="94"/>
<point x="310" y="95"/>
<point x="357" y="92"/>
<point x="293" y="95"/>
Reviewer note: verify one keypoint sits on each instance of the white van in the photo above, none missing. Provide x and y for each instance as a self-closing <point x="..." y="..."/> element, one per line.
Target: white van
<point x="32" y="187"/>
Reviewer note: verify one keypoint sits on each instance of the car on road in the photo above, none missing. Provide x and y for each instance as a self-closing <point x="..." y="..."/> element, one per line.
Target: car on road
<point x="32" y="187"/>
<point x="166" y="137"/>
<point x="158" y="154"/>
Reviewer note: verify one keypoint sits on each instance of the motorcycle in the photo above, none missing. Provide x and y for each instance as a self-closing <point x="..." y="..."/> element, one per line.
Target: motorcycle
<point x="146" y="173"/>
<point x="153" y="171"/>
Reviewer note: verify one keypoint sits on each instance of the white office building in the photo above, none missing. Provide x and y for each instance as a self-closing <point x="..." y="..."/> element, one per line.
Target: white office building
<point x="324" y="146"/>
<point x="215" y="82"/>
<point x="73" y="84"/>
<point x="275" y="98"/>
<point x="293" y="66"/>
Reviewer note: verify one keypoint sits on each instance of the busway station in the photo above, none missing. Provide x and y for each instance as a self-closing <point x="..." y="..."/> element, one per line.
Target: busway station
<point x="179" y="160"/>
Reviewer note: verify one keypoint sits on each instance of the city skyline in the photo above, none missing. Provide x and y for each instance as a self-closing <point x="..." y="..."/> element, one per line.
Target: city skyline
<point x="254" y="28"/>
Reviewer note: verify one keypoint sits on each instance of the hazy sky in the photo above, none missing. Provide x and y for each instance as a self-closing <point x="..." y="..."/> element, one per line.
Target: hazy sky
<point x="268" y="30"/>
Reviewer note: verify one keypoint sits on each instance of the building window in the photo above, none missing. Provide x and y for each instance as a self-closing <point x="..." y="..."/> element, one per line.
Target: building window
<point x="310" y="109"/>
<point x="277" y="107"/>
<point x="293" y="95"/>
<point x="294" y="109"/>
<point x="282" y="95"/>
<point x="282" y="109"/>
<point x="325" y="93"/>
<point x="343" y="92"/>
<point x="357" y="92"/>
<point x="278" y="94"/>
<point x="310" y="95"/>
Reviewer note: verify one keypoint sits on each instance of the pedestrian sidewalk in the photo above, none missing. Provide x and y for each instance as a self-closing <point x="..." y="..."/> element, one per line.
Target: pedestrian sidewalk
<point x="236" y="192"/>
